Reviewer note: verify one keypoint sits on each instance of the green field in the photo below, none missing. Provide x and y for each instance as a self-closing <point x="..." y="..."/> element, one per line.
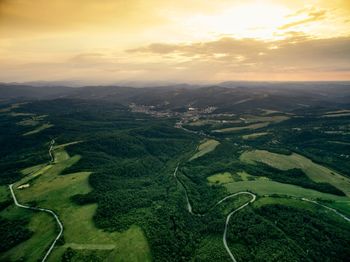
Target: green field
<point x="255" y="135"/>
<point x="38" y="129"/>
<point x="339" y="142"/>
<point x="64" y="145"/>
<point x="269" y="187"/>
<point x="32" y="169"/>
<point x="245" y="176"/>
<point x="240" y="128"/>
<point x="268" y="119"/>
<point x="33" y="249"/>
<point x="205" y="147"/>
<point x="267" y="112"/>
<point x="341" y="205"/>
<point x="53" y="191"/>
<point x="221" y="178"/>
<point x="254" y="122"/>
<point x="214" y="123"/>
<point x="11" y="107"/>
<point x="32" y="121"/>
<point x="35" y="121"/>
<point x="227" y="177"/>
<point x="315" y="171"/>
<point x="338" y="113"/>
<point x="297" y="203"/>
<point x="28" y="122"/>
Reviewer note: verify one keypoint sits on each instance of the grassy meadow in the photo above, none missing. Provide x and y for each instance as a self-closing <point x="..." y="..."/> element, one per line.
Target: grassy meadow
<point x="316" y="172"/>
<point x="205" y="147"/>
<point x="49" y="189"/>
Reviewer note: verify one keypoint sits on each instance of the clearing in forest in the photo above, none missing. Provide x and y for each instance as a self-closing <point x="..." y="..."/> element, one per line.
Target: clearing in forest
<point x="52" y="190"/>
<point x="205" y="147"/>
<point x="38" y="129"/>
<point x="268" y="187"/>
<point x="254" y="135"/>
<point x="220" y="178"/>
<point x="314" y="171"/>
<point x="254" y="122"/>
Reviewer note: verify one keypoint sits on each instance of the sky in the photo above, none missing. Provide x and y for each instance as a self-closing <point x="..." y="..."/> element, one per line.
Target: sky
<point x="193" y="41"/>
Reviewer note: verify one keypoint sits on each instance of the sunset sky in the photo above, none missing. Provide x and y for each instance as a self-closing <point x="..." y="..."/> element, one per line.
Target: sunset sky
<point x="104" y="41"/>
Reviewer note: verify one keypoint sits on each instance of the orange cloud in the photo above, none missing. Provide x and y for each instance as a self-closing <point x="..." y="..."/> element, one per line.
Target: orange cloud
<point x="171" y="40"/>
<point x="219" y="60"/>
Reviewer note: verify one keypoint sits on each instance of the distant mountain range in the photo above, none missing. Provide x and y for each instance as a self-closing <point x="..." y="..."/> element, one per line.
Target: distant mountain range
<point x="226" y="96"/>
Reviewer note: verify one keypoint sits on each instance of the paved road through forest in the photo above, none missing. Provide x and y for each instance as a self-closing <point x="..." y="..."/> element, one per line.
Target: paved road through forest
<point x="189" y="208"/>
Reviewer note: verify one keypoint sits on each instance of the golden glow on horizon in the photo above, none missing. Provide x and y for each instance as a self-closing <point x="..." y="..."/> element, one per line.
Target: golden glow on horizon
<point x="187" y="40"/>
<point x="249" y="20"/>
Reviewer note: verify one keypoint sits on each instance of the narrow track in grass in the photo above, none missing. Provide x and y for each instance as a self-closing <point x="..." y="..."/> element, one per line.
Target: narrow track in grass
<point x="329" y="208"/>
<point x="43" y="210"/>
<point x="58" y="221"/>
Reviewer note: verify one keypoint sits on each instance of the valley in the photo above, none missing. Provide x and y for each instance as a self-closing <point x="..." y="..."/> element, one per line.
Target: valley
<point x="211" y="174"/>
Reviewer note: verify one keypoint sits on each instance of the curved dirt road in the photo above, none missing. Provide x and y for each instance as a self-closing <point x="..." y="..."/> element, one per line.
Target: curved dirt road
<point x="44" y="210"/>
<point x="189" y="208"/>
<point x="60" y="225"/>
<point x="329" y="208"/>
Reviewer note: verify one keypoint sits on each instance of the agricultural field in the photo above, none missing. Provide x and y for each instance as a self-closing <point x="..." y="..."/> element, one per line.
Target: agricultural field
<point x="51" y="190"/>
<point x="32" y="121"/>
<point x="253" y="122"/>
<point x="240" y="128"/>
<point x="254" y="135"/>
<point x="43" y="229"/>
<point x="315" y="171"/>
<point x="338" y="113"/>
<point x="205" y="147"/>
<point x="221" y="178"/>
<point x="38" y="129"/>
<point x="267" y="187"/>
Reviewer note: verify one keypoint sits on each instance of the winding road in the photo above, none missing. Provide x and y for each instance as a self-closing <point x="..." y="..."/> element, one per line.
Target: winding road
<point x="229" y="217"/>
<point x="224" y="238"/>
<point x="190" y="210"/>
<point x="329" y="208"/>
<point x="44" y="210"/>
<point x="59" y="223"/>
